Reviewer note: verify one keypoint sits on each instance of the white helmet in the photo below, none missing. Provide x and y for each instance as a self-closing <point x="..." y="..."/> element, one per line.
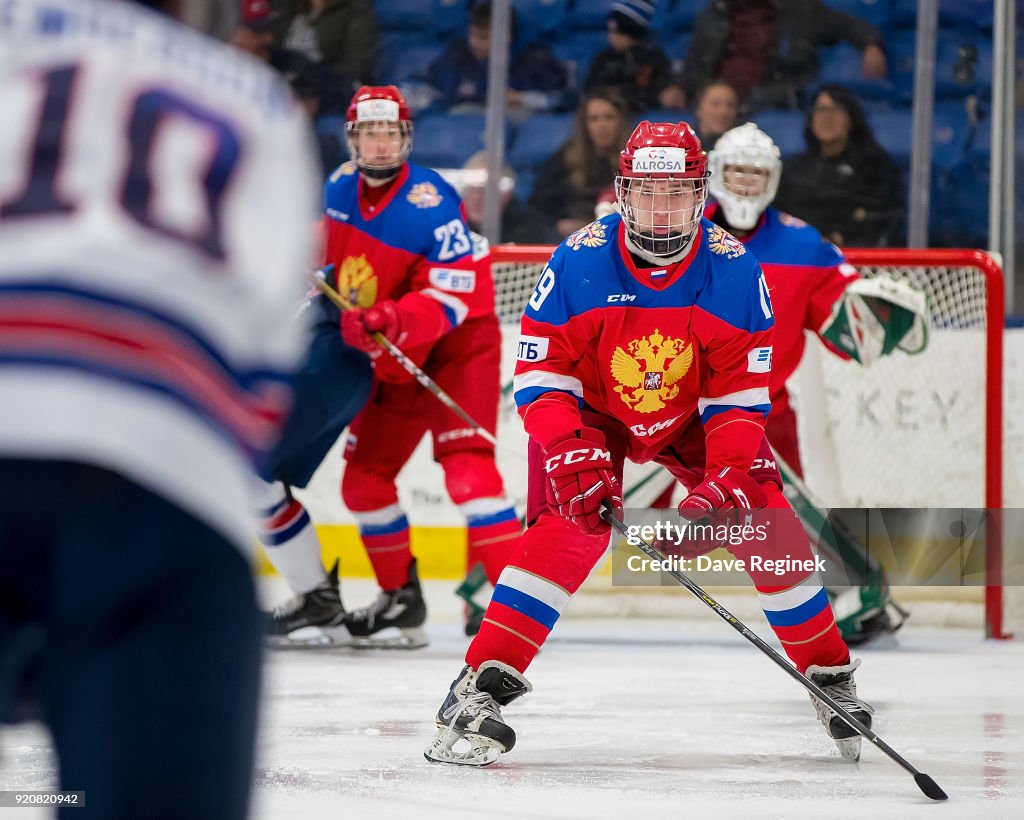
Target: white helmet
<point x="745" y="171"/>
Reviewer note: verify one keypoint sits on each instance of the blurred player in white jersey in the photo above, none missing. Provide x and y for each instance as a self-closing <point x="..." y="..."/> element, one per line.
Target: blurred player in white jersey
<point x="813" y="289"/>
<point x="156" y="192"/>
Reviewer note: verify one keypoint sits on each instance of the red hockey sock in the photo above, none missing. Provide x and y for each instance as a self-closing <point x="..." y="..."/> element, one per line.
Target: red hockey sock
<point x="387" y="547"/>
<point x="795" y="603"/>
<point x="491" y="540"/>
<point x="552" y="559"/>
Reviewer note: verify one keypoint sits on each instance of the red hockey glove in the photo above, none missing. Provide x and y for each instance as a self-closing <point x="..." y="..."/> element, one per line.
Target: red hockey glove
<point x="357" y="325"/>
<point x="580" y="478"/>
<point x="727" y="489"/>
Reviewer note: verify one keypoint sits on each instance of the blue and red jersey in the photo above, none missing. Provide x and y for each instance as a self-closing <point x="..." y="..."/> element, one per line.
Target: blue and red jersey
<point x="806" y="275"/>
<point x="648" y="348"/>
<point x="413" y="247"/>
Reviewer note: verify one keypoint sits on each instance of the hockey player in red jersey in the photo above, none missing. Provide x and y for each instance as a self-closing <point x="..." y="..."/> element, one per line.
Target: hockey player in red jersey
<point x="648" y="337"/>
<point x="404" y="256"/>
<point x="813" y="288"/>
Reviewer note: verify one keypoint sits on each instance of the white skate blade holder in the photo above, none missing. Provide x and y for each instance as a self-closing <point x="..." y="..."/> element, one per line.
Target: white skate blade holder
<point x="448" y="746"/>
<point x="849" y="748"/>
<point x="393" y="638"/>
<point x="310" y="637"/>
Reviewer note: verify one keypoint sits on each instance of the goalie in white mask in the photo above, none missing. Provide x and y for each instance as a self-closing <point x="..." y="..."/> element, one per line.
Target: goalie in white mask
<point x="813" y="288"/>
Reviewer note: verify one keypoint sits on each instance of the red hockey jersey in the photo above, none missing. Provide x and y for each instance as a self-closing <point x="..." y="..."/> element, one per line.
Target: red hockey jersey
<point x="649" y="348"/>
<point x="413" y="247"/>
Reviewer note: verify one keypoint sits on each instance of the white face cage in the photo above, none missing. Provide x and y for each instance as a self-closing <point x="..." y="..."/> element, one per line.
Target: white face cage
<point x="745" y="172"/>
<point x="660" y="215"/>
<point x="386" y="145"/>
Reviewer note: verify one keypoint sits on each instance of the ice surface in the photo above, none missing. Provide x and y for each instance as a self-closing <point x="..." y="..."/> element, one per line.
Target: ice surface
<point x="628" y="719"/>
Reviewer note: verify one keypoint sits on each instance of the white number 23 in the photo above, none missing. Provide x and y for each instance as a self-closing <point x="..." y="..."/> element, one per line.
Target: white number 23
<point x="453" y="239"/>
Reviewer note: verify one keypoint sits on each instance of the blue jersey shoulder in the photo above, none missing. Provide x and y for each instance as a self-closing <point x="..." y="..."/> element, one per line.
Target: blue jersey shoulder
<point x="423" y="217"/>
<point x="786" y="240"/>
<point x="582" y="270"/>
<point x="736" y="291"/>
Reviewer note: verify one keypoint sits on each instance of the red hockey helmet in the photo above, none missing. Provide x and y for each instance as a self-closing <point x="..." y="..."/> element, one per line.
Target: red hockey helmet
<point x="661" y="188"/>
<point x="379" y="113"/>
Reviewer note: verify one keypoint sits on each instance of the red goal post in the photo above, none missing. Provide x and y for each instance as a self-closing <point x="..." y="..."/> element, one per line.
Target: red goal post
<point x="966" y="303"/>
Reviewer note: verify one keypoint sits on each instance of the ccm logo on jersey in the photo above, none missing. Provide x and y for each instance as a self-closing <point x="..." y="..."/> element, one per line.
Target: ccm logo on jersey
<point x="532" y="349"/>
<point x="641" y="431"/>
<point x="759" y="360"/>
<point x="763" y="464"/>
<point x="451" y="279"/>
<point x="576" y="456"/>
<point x="622" y="297"/>
<point x="452" y="435"/>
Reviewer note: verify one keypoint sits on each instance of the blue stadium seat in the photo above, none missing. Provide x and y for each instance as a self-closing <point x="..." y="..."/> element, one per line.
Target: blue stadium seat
<point x="541" y="18"/>
<point x="953" y="14"/>
<point x="538" y="138"/>
<point x="448" y="140"/>
<point x="587" y="15"/>
<point x="333" y="125"/>
<point x="786" y="128"/>
<point x="956" y="76"/>
<point x="675" y="15"/>
<point x="675" y="44"/>
<point x="875" y="12"/>
<point x="842" y="64"/>
<point x="403" y="61"/>
<point x="442" y="17"/>
<point x="525" y="181"/>
<point x="949" y="46"/>
<point x="577" y="52"/>
<point x="894" y="131"/>
<point x="951" y="131"/>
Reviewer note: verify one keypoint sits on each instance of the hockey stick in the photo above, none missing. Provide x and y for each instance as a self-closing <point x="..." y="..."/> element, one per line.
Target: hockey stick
<point x="344" y="304"/>
<point x="924" y="782"/>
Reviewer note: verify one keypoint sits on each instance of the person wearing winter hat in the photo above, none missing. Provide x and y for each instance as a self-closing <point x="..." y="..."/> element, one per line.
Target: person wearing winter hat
<point x="638" y="69"/>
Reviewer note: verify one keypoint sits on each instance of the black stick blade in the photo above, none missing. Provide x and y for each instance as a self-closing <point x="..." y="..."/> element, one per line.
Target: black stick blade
<point x="929" y="787"/>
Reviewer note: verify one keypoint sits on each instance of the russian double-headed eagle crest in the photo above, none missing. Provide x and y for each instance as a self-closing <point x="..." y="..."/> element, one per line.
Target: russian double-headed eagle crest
<point x="424" y="195"/>
<point x="649" y="372"/>
<point x="723" y="242"/>
<point x="356" y="281"/>
<point x="589" y="236"/>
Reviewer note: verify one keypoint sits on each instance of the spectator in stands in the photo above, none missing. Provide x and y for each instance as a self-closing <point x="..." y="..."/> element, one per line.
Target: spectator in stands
<point x="571" y="180"/>
<point x="521" y="225"/>
<point x="768" y="49"/>
<point x="537" y="80"/>
<point x="845" y="183"/>
<point x="341" y="34"/>
<point x="254" y="34"/>
<point x="717" y="110"/>
<point x="639" y="70"/>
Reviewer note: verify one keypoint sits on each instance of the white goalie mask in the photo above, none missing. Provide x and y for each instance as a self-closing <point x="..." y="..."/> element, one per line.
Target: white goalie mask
<point x="745" y="170"/>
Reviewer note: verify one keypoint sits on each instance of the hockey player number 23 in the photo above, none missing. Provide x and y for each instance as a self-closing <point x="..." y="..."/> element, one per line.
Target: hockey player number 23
<point x="150" y="109"/>
<point x="453" y="239"/>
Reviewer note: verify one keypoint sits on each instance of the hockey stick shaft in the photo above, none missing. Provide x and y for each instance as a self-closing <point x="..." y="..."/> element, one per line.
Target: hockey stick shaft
<point x="410" y="366"/>
<point x="924" y="782"/>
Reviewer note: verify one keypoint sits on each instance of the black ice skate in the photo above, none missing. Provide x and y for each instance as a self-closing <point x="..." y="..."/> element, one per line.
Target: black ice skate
<point x="472" y="713"/>
<point x="314" y="618"/>
<point x="837" y="682"/>
<point x="403" y="610"/>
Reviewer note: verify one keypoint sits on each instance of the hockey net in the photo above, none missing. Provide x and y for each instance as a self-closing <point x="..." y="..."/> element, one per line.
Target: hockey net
<point x="922" y="431"/>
